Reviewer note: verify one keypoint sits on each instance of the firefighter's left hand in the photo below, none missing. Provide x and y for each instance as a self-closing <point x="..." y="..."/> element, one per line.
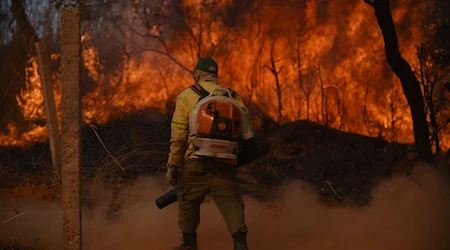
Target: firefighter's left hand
<point x="171" y="175"/>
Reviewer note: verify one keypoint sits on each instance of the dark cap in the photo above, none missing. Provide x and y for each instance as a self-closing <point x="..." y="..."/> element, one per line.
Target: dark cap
<point x="207" y="64"/>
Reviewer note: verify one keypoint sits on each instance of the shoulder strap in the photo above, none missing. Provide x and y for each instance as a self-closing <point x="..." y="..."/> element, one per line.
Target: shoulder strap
<point x="199" y="90"/>
<point x="233" y="93"/>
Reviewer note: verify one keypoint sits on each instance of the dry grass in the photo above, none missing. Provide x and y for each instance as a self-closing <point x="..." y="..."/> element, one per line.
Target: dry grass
<point x="116" y="170"/>
<point x="12" y="244"/>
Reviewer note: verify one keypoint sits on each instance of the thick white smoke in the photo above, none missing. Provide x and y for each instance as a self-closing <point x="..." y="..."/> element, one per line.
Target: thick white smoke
<point x="407" y="213"/>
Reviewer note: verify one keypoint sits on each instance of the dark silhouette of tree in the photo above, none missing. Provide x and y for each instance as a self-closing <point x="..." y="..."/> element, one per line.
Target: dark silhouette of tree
<point x="298" y="57"/>
<point x="410" y="84"/>
<point x="278" y="85"/>
<point x="432" y="79"/>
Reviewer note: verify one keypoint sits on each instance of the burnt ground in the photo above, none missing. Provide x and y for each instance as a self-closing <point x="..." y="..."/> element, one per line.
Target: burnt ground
<point x="342" y="167"/>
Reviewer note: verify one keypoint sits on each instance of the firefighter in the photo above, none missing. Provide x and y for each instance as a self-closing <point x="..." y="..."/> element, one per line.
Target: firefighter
<point x="202" y="176"/>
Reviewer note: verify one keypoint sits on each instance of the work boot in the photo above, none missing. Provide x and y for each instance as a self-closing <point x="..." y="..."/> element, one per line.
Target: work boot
<point x="189" y="242"/>
<point x="240" y="241"/>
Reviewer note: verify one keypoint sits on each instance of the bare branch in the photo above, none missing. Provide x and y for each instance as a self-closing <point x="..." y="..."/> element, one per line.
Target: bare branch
<point x="215" y="45"/>
<point x="12" y="218"/>
<point x="258" y="56"/>
<point x="271" y="69"/>
<point x="258" y="21"/>
<point x="106" y="149"/>
<point x="183" y="21"/>
<point x="159" y="39"/>
<point x="369" y="3"/>
<point x="444" y="124"/>
<point x="278" y="85"/>
<point x="137" y="32"/>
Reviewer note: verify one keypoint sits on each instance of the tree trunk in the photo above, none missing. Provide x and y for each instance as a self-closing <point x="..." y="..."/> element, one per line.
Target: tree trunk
<point x="410" y="84"/>
<point x="278" y="88"/>
<point x="307" y="107"/>
<point x="324" y="103"/>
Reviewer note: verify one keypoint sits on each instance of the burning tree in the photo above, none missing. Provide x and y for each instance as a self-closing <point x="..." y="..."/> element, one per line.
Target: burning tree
<point x="431" y="73"/>
<point x="410" y="84"/>
<point x="200" y="24"/>
<point x="276" y="70"/>
<point x="304" y="74"/>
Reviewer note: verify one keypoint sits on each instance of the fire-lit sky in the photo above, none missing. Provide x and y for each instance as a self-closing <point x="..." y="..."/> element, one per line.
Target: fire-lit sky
<point x="339" y="45"/>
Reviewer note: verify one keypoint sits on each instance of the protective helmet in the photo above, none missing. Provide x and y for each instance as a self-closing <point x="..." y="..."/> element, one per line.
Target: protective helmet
<point x="207" y="64"/>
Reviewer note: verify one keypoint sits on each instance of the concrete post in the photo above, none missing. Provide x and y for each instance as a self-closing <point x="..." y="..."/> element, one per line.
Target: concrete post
<point x="71" y="119"/>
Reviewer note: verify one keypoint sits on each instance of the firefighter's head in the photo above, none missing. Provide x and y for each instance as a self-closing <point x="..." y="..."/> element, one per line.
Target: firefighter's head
<point x="206" y="67"/>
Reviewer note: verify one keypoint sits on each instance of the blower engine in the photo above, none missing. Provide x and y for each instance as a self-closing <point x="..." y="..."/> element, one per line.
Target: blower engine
<point x="216" y="124"/>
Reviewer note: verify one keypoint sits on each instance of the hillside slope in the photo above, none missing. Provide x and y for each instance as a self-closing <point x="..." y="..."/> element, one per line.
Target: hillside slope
<point x="340" y="166"/>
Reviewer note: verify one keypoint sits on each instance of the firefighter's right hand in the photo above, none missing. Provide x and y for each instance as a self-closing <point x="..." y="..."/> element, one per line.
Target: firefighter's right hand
<point x="171" y="175"/>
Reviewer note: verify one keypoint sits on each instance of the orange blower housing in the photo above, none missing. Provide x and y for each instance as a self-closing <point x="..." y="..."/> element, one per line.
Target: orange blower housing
<point x="219" y="120"/>
<point x="216" y="124"/>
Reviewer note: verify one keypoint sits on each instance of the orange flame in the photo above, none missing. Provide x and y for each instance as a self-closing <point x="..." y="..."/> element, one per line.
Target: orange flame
<point x="342" y="64"/>
<point x="31" y="103"/>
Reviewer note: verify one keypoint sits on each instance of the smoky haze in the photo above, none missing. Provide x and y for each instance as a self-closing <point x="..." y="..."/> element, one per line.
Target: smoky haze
<point x="407" y="213"/>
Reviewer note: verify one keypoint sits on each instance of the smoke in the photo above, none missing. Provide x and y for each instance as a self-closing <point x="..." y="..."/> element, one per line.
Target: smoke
<point x="407" y="213"/>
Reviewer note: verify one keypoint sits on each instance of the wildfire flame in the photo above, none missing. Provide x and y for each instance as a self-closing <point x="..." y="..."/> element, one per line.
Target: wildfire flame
<point x="31" y="103"/>
<point x="331" y="53"/>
